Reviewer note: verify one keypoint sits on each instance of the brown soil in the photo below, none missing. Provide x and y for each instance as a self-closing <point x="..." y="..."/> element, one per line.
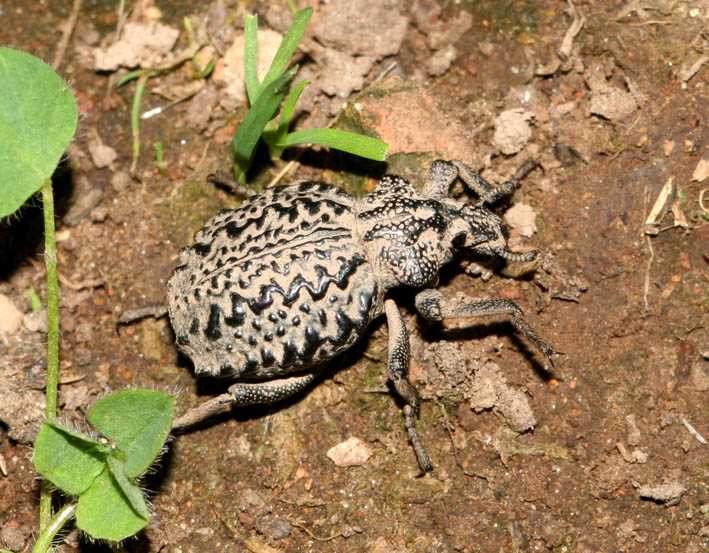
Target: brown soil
<point x="615" y="460"/>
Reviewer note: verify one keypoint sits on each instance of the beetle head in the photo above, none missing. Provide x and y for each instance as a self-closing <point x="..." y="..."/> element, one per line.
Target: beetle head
<point x="475" y="228"/>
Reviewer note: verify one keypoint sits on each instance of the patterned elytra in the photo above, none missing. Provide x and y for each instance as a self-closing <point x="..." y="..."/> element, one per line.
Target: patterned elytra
<point x="275" y="285"/>
<point x="271" y="291"/>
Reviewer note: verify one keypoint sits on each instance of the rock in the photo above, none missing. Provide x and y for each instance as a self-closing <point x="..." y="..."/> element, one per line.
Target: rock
<point x="664" y="493"/>
<point x="343" y="73"/>
<point x="121" y="181"/>
<point x="361" y="27"/>
<point x="252" y="502"/>
<point x="10" y="316"/>
<point x="407" y="118"/>
<point x="522" y="218"/>
<point x="352" y="452"/>
<point x="439" y="62"/>
<point x="273" y="527"/>
<point x="229" y="70"/>
<point x="445" y="33"/>
<point x="101" y="154"/>
<point x="36" y="321"/>
<point x="13" y="537"/>
<point x="612" y="103"/>
<point x="141" y="45"/>
<point x="701" y="171"/>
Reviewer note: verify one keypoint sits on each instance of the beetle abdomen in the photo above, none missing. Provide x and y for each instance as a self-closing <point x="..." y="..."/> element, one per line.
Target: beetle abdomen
<point x="275" y="285"/>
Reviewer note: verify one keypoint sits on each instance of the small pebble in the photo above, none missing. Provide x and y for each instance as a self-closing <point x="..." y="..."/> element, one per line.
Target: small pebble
<point x="273" y="527"/>
<point x="10" y="316"/>
<point x="36" y="321"/>
<point x="352" y="452"/>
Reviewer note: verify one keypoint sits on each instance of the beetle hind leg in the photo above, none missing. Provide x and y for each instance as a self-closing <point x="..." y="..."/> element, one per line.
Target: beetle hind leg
<point x="255" y="393"/>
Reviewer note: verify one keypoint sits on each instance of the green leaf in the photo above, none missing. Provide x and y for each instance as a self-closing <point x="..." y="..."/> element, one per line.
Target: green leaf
<point x="288" y="46"/>
<point x="129" y="488"/>
<point x="67" y="459"/>
<point x="139" y="421"/>
<point x="37" y="121"/>
<point x="357" y="144"/>
<point x="262" y="111"/>
<point x="104" y="512"/>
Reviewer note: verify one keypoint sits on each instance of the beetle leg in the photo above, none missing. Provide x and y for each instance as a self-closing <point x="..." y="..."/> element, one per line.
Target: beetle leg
<point x="254" y="393"/>
<point x="398" y="368"/>
<point x="432" y="305"/>
<point x="485" y="191"/>
<point x="440" y="177"/>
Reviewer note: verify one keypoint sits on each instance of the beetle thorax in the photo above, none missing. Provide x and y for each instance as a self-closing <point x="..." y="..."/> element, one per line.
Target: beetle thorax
<point x="404" y="233"/>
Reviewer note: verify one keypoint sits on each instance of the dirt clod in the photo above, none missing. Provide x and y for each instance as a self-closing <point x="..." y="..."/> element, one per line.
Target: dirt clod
<point x="512" y="130"/>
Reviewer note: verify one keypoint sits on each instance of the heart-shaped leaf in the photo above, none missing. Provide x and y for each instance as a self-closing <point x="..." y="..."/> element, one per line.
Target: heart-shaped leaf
<point x="104" y="513"/>
<point x="38" y="118"/>
<point x="139" y="421"/>
<point x="67" y="459"/>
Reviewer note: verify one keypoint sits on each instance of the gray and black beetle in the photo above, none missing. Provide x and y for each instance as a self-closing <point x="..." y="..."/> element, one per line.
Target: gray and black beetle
<point x="272" y="290"/>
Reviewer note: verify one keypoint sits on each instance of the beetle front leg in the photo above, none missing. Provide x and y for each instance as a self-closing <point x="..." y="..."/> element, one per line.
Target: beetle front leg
<point x="488" y="193"/>
<point x="398" y="368"/>
<point x="433" y="305"/>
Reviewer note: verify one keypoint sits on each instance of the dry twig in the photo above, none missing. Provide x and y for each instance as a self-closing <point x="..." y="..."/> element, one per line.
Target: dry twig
<point x="66" y="34"/>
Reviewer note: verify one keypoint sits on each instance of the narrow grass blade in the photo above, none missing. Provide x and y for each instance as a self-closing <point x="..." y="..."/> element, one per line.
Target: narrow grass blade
<point x="262" y="111"/>
<point x="357" y="144"/>
<point x="251" y="57"/>
<point x="275" y="136"/>
<point x="288" y="46"/>
<point x="289" y="107"/>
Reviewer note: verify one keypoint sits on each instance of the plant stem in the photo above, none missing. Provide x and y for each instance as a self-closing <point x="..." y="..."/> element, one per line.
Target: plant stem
<point x="50" y="259"/>
<point x="44" y="541"/>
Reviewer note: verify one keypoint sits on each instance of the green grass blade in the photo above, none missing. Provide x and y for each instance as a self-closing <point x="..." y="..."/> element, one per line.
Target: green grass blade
<point x="289" y="107"/>
<point x="262" y="111"/>
<point x="251" y="57"/>
<point x="276" y="135"/>
<point x="129" y="77"/>
<point x="288" y="46"/>
<point x="357" y="144"/>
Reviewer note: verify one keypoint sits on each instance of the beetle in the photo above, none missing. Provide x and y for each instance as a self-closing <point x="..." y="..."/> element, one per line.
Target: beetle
<point x="272" y="290"/>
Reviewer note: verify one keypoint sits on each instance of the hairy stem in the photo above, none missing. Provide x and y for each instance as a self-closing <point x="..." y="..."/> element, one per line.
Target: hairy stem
<point x="44" y="541"/>
<point x="50" y="259"/>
